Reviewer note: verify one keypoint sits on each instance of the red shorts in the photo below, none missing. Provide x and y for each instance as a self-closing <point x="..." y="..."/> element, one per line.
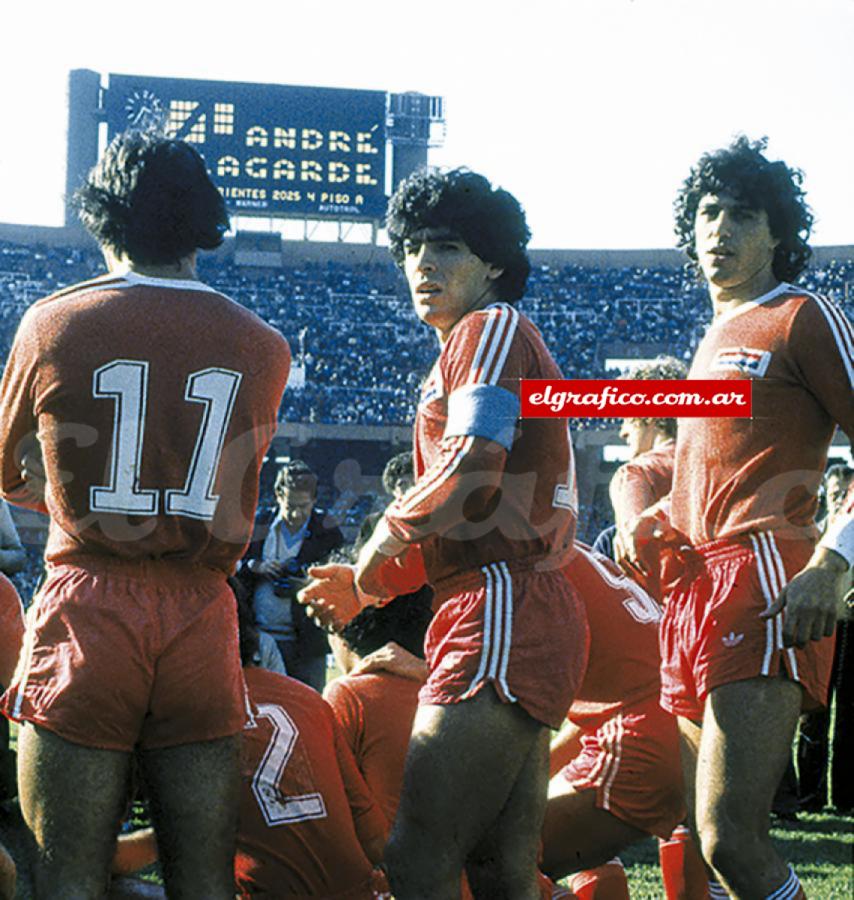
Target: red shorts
<point x="711" y="633"/>
<point x="11" y="629"/>
<point x="525" y="633"/>
<point x="119" y="655"/>
<point x="632" y="762"/>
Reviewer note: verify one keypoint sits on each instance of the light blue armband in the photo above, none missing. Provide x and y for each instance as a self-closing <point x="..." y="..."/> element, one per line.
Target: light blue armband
<point x="483" y="410"/>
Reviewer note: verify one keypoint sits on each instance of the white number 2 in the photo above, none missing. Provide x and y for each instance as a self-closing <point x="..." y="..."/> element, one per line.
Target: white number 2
<point x="277" y="808"/>
<point x="125" y="381"/>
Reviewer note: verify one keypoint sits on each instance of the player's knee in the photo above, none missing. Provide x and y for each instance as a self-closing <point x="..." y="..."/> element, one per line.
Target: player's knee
<point x="724" y="843"/>
<point x="415" y="865"/>
<point x="501" y="876"/>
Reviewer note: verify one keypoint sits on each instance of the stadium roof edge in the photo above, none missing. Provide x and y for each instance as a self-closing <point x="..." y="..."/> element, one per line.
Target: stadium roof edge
<point x="62" y="236"/>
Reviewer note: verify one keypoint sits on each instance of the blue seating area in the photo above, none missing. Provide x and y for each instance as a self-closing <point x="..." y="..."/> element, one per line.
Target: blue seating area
<point x="363" y="350"/>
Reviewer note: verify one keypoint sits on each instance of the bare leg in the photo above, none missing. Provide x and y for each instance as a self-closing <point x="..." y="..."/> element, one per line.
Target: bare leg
<point x="744" y="748"/>
<point x="689" y="748"/>
<point x="463" y="765"/>
<point x="72" y="798"/>
<point x="195" y="790"/>
<point x="502" y="863"/>
<point x="577" y="834"/>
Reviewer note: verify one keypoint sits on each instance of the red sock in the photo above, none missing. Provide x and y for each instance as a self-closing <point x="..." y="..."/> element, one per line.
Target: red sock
<point x="606" y="882"/>
<point x="682" y="869"/>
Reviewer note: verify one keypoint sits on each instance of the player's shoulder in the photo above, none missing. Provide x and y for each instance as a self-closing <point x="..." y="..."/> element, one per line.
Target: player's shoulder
<point x="661" y="455"/>
<point x="70" y="295"/>
<point x="265" y="686"/>
<point x="817" y="319"/>
<point x="491" y="333"/>
<point x="499" y="319"/>
<point x="9" y="596"/>
<point x="797" y="301"/>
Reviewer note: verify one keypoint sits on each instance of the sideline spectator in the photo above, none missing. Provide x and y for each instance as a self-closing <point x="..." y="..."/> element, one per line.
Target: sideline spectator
<point x="286" y="540"/>
<point x="826" y="748"/>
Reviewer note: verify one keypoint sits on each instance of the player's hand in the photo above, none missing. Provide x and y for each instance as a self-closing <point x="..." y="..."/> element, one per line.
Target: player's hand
<point x="374" y="557"/>
<point x="332" y="597"/>
<point x="391" y="657"/>
<point x="630" y="541"/>
<point x="33" y="471"/>
<point x="813" y="599"/>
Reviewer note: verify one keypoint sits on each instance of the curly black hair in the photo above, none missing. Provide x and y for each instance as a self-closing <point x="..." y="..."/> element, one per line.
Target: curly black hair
<point x="398" y="468"/>
<point x="489" y="220"/>
<point x="404" y="620"/>
<point x="742" y="171"/>
<point x="150" y="198"/>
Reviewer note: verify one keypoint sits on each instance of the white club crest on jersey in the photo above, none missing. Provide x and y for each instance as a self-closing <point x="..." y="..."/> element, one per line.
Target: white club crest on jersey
<point x="741" y="359"/>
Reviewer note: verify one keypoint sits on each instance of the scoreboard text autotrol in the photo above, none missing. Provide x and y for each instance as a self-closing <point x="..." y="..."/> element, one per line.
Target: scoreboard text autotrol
<point x="271" y="149"/>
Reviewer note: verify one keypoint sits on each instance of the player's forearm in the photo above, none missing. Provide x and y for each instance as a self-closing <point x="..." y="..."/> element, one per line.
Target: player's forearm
<point x="564" y="747"/>
<point x="457" y="489"/>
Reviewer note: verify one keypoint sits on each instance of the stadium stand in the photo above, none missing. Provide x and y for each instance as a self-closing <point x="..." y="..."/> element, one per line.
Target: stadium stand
<point x="352" y="329"/>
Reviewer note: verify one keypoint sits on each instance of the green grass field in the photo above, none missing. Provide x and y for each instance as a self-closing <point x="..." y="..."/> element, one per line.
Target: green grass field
<point x="819" y="846"/>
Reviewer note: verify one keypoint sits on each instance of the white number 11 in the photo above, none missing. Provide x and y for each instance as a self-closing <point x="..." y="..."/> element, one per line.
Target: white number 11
<point x="125" y="381"/>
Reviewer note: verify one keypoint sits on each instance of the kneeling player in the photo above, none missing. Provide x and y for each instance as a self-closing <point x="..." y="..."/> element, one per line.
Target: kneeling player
<point x="308" y="824"/>
<point x="617" y="777"/>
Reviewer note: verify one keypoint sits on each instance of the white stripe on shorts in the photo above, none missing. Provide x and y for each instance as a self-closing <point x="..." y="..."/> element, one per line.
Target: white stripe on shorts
<point x="497" y="630"/>
<point x="768" y="594"/>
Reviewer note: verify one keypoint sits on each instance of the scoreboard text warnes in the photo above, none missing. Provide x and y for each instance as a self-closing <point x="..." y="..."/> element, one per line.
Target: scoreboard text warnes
<point x="273" y="149"/>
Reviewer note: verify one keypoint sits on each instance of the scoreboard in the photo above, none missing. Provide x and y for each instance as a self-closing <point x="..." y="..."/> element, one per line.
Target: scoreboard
<point x="275" y="150"/>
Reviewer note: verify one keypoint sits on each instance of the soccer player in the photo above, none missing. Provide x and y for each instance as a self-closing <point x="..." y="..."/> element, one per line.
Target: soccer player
<point x="308" y="825"/>
<point x="646" y="478"/>
<point x="490" y="520"/>
<point x="375" y="709"/>
<point x="747" y="642"/>
<point x="616" y="774"/>
<point x="151" y="399"/>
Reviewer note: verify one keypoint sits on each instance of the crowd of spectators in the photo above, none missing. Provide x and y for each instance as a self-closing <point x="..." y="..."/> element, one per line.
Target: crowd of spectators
<point x="352" y="330"/>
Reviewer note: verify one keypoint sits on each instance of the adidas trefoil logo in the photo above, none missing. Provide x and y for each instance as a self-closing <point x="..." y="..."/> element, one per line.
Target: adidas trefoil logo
<point x="732" y="639"/>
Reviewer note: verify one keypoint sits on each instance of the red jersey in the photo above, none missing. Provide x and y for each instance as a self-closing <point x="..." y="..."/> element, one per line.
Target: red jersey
<point x="642" y="482"/>
<point x="11" y="629"/>
<point x="375" y="712"/>
<point x="154" y="401"/>
<point x="473" y="392"/>
<point x="623" y="664"/>
<point x="734" y="476"/>
<point x="303" y="804"/>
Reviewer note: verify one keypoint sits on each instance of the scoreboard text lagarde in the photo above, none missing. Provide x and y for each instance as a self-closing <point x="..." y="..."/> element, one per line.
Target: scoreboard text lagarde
<point x="271" y="149"/>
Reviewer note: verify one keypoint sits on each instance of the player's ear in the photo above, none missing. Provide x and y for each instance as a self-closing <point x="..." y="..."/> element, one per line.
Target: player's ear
<point x="494" y="272"/>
